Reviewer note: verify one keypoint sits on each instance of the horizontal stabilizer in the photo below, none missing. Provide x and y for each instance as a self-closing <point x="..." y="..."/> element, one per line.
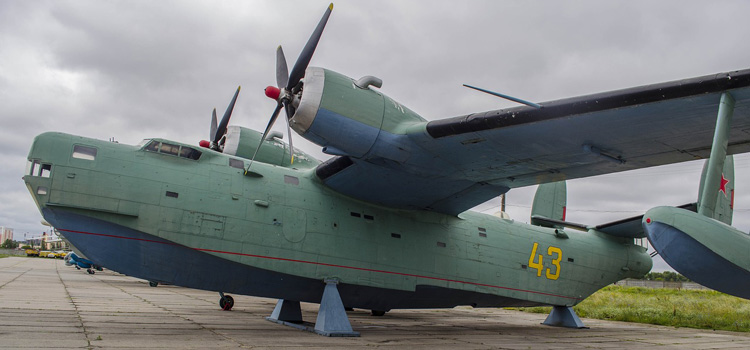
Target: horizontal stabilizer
<point x="547" y="222"/>
<point x="632" y="227"/>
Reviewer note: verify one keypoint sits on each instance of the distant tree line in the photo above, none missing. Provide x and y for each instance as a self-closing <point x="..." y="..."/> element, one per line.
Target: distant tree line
<point x="9" y="244"/>
<point x="666" y="276"/>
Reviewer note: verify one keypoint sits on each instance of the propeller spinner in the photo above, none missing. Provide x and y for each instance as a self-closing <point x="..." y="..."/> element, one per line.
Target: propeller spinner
<point x="289" y="83"/>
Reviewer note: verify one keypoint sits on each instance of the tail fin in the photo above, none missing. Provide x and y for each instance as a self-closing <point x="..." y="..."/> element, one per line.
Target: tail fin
<point x="725" y="196"/>
<point x="550" y="202"/>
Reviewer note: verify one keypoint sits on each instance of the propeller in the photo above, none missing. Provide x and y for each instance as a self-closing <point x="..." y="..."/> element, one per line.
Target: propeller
<point x="217" y="132"/>
<point x="288" y="84"/>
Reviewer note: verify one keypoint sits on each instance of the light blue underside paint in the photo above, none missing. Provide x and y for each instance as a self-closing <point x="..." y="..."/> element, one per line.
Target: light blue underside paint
<point x="342" y="133"/>
<point x="146" y="256"/>
<point x="398" y="166"/>
<point x="696" y="262"/>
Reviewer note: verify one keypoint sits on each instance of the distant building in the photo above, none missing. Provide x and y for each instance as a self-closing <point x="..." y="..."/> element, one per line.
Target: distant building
<point x="53" y="241"/>
<point x="5" y="233"/>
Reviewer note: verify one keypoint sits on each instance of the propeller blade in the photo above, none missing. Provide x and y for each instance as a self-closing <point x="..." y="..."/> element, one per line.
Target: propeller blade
<point x="265" y="133"/>
<point x="291" y="147"/>
<point x="289" y="129"/>
<point x="298" y="71"/>
<point x="222" y="129"/>
<point x="213" y="126"/>
<point x="282" y="73"/>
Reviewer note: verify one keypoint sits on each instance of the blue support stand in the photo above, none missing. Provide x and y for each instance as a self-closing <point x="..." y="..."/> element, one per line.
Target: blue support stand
<point x="286" y="311"/>
<point x="332" y="320"/>
<point x="563" y="316"/>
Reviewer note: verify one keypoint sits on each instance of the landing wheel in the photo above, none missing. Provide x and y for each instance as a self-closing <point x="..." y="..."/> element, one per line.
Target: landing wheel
<point x="153" y="284"/>
<point x="226" y="302"/>
<point x="377" y="312"/>
<point x="90" y="271"/>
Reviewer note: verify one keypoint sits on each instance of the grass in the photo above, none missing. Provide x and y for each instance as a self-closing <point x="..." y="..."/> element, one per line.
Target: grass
<point x="701" y="309"/>
<point x="5" y="256"/>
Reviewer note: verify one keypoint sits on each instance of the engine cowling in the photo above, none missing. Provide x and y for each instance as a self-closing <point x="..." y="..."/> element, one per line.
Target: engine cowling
<point x="344" y="118"/>
<point x="242" y="142"/>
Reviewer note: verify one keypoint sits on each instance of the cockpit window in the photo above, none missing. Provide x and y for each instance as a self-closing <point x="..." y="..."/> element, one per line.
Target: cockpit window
<point x="84" y="152"/>
<point x="190" y="153"/>
<point x="152" y="146"/>
<point x="169" y="148"/>
<point x="172" y="149"/>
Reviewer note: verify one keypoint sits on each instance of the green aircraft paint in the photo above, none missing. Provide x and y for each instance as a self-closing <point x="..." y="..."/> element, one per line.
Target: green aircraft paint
<point x="287" y="221"/>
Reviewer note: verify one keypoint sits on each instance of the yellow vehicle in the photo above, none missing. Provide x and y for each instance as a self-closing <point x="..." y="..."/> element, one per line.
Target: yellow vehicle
<point x="44" y="253"/>
<point x="32" y="252"/>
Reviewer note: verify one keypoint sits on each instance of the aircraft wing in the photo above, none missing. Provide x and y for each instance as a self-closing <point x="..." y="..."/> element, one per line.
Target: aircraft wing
<point x="453" y="164"/>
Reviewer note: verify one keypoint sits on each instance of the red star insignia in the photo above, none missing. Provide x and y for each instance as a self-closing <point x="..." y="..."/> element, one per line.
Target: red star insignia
<point x="723" y="186"/>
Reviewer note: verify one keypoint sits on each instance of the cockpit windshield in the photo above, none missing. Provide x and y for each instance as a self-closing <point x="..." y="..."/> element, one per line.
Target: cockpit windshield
<point x="172" y="149"/>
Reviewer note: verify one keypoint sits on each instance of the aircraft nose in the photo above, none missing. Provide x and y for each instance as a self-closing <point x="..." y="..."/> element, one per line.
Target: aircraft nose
<point x="46" y="150"/>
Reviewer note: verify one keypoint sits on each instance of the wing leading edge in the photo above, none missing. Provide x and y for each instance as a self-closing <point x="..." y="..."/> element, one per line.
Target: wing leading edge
<point x="453" y="164"/>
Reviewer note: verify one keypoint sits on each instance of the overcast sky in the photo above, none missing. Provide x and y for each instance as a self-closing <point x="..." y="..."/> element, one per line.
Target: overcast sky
<point x="137" y="69"/>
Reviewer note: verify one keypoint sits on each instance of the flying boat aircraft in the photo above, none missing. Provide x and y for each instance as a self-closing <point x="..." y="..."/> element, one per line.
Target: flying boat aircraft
<point x="384" y="223"/>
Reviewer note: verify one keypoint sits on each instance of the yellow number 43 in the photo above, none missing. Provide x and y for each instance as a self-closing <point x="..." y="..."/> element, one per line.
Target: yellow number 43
<point x="536" y="261"/>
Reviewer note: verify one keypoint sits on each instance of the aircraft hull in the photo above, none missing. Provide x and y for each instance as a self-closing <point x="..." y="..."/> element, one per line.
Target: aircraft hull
<point x="138" y="254"/>
<point x="701" y="249"/>
<point x="278" y="232"/>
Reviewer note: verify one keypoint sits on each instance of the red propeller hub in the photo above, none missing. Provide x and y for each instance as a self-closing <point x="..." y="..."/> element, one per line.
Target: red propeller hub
<point x="204" y="144"/>
<point x="273" y="92"/>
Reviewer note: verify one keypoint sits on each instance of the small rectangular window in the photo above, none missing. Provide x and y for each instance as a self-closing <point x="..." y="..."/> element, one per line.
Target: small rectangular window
<point x="236" y="163"/>
<point x="369" y="217"/>
<point x="291" y="180"/>
<point x="482" y="234"/>
<point x="29" y="166"/>
<point x="46" y="170"/>
<point x="190" y="153"/>
<point x="356" y="215"/>
<point x="482" y="229"/>
<point x="172" y="194"/>
<point x="84" y="152"/>
<point x="571" y="260"/>
<point x="441" y="244"/>
<point x="35" y="168"/>
<point x="152" y="146"/>
<point x="523" y="266"/>
<point x="168" y="148"/>
<point x="396" y="235"/>
<point x="41" y="190"/>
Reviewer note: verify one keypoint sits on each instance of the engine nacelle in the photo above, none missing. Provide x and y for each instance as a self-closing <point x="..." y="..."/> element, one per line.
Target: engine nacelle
<point x="242" y="142"/>
<point x="344" y="118"/>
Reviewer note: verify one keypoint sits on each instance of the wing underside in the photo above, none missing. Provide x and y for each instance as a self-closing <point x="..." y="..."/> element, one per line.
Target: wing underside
<point x="454" y="164"/>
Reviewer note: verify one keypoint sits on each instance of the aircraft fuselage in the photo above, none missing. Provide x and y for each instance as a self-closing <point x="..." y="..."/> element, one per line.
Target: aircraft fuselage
<point x="192" y="219"/>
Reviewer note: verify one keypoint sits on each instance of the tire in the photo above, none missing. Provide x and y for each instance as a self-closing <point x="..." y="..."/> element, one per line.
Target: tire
<point x="226" y="303"/>
<point x="377" y="312"/>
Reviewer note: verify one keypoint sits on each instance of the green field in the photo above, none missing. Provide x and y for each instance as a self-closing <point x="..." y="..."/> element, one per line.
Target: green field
<point x="668" y="307"/>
